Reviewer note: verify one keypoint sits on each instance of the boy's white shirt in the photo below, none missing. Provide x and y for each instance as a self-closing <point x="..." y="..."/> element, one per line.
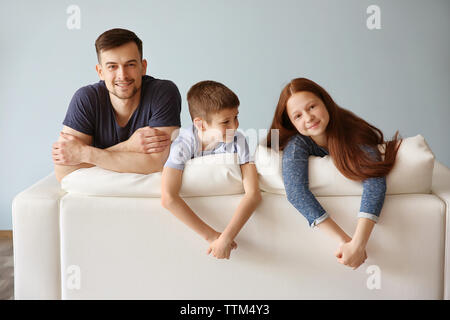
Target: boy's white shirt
<point x="188" y="145"/>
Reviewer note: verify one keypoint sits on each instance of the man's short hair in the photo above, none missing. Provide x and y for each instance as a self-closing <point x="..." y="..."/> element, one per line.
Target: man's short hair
<point x="207" y="97"/>
<point x="115" y="38"/>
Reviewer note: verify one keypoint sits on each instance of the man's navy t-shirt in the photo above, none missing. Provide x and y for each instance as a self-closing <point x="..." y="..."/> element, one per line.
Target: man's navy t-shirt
<point x="90" y="111"/>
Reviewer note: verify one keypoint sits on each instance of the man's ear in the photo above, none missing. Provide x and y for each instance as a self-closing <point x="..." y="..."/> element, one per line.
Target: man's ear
<point x="199" y="124"/>
<point x="99" y="69"/>
<point x="144" y="67"/>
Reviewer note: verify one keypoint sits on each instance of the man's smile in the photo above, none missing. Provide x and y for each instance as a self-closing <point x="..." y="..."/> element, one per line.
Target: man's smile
<point x="124" y="84"/>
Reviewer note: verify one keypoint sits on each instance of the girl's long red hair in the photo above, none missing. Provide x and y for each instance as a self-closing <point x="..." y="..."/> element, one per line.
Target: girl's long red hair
<point x="346" y="133"/>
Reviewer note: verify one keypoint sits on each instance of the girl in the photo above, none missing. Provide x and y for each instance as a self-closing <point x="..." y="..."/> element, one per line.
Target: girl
<point x="310" y="123"/>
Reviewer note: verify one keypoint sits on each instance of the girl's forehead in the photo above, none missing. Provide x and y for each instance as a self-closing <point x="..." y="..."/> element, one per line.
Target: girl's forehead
<point x="301" y="100"/>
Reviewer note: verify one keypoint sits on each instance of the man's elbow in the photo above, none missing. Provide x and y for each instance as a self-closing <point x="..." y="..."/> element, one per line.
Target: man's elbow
<point x="154" y="162"/>
<point x="58" y="176"/>
<point x="151" y="168"/>
<point x="60" y="173"/>
<point x="61" y="170"/>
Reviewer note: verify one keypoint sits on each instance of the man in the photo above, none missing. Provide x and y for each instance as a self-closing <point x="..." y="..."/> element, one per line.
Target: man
<point x="124" y="122"/>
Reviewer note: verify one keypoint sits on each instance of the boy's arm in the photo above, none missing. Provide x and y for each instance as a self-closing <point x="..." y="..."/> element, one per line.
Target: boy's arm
<point x="171" y="200"/>
<point x="248" y="203"/>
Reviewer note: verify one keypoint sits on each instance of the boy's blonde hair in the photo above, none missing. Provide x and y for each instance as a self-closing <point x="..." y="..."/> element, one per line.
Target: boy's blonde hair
<point x="208" y="97"/>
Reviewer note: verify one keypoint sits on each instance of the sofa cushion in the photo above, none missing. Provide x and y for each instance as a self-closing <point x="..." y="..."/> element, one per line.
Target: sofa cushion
<point x="412" y="172"/>
<point x="211" y="175"/>
<point x="220" y="175"/>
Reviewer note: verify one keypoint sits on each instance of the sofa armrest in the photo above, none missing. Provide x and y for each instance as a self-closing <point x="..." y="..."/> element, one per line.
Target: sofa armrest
<point x="36" y="241"/>
<point x="441" y="188"/>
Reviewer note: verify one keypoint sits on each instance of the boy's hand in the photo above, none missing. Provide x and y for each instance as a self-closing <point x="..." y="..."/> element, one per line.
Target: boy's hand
<point x="220" y="246"/>
<point x="351" y="254"/>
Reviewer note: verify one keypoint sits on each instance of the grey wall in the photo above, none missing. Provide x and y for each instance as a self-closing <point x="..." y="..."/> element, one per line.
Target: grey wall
<point x="396" y="78"/>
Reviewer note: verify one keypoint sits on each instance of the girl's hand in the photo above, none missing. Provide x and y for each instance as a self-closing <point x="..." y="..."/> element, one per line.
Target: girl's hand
<point x="215" y="235"/>
<point x="351" y="254"/>
<point x="221" y="247"/>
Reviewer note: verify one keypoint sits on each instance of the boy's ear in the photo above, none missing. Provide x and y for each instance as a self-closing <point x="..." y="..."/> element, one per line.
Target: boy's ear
<point x="199" y="124"/>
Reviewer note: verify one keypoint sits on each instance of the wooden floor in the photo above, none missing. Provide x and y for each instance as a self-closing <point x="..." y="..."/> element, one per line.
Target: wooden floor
<point x="6" y="269"/>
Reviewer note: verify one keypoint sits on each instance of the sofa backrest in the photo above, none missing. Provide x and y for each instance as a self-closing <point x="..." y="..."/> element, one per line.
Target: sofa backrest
<point x="220" y="175"/>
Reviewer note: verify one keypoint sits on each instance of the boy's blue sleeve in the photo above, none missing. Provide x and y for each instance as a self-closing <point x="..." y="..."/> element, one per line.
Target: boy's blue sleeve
<point x="242" y="149"/>
<point x="296" y="182"/>
<point x="181" y="151"/>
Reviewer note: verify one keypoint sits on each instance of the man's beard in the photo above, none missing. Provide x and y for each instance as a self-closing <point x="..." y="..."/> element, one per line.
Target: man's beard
<point x="125" y="96"/>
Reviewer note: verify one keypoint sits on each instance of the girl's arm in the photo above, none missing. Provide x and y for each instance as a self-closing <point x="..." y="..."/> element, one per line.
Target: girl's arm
<point x="374" y="192"/>
<point x="363" y="231"/>
<point x="334" y="231"/>
<point x="296" y="182"/>
<point x="353" y="253"/>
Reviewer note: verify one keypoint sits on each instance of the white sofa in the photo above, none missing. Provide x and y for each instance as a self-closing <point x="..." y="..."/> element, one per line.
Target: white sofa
<point x="108" y="237"/>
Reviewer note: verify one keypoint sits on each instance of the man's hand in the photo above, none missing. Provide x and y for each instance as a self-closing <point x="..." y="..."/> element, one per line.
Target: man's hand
<point x="148" y="140"/>
<point x="351" y="254"/>
<point x="220" y="247"/>
<point x="68" y="150"/>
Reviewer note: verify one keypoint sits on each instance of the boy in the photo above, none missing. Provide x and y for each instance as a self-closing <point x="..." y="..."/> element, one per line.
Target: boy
<point x="214" y="110"/>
